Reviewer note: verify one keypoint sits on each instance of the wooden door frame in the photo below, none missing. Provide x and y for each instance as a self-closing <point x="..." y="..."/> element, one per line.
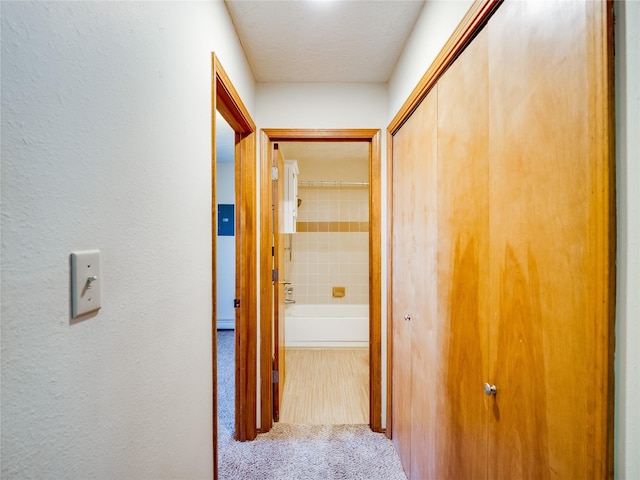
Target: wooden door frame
<point x="226" y="101"/>
<point x="270" y="136"/>
<point x="278" y="187"/>
<point x="477" y="16"/>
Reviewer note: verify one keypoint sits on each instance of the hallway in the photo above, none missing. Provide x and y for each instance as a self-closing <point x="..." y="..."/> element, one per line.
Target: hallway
<point x="108" y="144"/>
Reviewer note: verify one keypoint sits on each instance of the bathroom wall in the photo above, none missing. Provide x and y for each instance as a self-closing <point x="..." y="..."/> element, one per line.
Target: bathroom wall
<point x="331" y="247"/>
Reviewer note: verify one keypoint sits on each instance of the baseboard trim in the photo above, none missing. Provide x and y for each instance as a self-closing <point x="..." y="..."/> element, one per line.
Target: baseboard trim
<point x="226" y="324"/>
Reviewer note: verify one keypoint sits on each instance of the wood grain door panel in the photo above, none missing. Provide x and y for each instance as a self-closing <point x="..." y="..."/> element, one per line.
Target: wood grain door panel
<point x="416" y="366"/>
<point x="463" y="262"/>
<point x="402" y="299"/>
<point x="545" y="214"/>
<point x="426" y="370"/>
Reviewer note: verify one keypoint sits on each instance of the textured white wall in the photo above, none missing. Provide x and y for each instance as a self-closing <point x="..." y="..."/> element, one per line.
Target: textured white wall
<point x="627" y="427"/>
<point x="437" y="21"/>
<point x="321" y="105"/>
<point x="106" y="144"/>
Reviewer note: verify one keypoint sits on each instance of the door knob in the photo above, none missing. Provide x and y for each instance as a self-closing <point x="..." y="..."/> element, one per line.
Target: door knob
<point x="407" y="318"/>
<point x="490" y="389"/>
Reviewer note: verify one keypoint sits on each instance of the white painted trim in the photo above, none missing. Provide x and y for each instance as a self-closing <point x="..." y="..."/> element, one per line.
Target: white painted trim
<point x="226" y="324"/>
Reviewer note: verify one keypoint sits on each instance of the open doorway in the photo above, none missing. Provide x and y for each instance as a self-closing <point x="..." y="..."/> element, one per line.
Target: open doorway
<point x="326" y="260"/>
<point x="227" y="103"/>
<point x="225" y="231"/>
<point x="371" y="140"/>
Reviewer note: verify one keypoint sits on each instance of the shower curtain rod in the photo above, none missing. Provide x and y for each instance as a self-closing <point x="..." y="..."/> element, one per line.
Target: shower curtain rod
<point x="318" y="183"/>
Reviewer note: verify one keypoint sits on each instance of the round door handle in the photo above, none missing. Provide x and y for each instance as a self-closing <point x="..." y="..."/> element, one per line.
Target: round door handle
<point x="490" y="389"/>
<point x="407" y="318"/>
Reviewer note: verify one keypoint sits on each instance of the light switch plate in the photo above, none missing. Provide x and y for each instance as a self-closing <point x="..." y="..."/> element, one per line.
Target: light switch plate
<point x="86" y="282"/>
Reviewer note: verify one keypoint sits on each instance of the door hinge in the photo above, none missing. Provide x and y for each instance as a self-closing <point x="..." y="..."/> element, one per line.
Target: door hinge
<point x="274" y="173"/>
<point x="236" y="303"/>
<point x="276" y="376"/>
<point x="274" y="275"/>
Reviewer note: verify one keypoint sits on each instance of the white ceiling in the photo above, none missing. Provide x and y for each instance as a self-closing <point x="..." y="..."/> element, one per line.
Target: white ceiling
<point x="323" y="40"/>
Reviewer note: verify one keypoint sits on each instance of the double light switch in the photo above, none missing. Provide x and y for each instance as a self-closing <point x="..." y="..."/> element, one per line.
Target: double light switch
<point x="85" y="282"/>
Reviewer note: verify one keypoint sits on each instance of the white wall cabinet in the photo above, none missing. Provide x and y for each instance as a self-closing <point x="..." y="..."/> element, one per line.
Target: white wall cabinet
<point x="291" y="172"/>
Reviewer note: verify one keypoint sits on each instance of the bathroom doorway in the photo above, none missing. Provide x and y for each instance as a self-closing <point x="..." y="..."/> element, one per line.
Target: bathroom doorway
<point x="326" y="261"/>
<point x="324" y="288"/>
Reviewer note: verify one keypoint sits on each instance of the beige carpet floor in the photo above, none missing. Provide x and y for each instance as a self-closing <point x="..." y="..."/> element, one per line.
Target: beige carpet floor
<point x="312" y="452"/>
<point x="298" y="452"/>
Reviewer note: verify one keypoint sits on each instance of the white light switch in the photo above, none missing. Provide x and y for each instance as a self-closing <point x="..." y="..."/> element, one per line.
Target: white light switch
<point x="85" y="282"/>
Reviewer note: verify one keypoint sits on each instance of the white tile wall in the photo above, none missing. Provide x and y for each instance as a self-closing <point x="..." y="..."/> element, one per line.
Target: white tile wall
<point x="322" y="260"/>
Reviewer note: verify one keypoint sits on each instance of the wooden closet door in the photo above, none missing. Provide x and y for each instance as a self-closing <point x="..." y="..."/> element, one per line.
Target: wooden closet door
<point x="415" y="363"/>
<point x="426" y="344"/>
<point x="402" y="298"/>
<point x="549" y="228"/>
<point x="463" y="263"/>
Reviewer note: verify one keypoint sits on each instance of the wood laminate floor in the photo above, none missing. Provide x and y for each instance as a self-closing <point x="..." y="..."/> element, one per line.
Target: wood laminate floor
<point x="326" y="386"/>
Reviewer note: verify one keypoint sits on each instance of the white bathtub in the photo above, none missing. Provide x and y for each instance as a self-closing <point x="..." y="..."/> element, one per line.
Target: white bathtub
<point x="320" y="326"/>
